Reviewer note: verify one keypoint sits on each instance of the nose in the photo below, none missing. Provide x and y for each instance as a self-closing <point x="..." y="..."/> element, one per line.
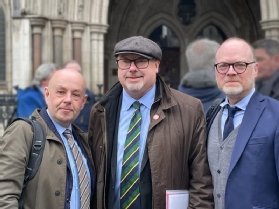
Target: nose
<point x="133" y="66"/>
<point x="231" y="70"/>
<point x="68" y="97"/>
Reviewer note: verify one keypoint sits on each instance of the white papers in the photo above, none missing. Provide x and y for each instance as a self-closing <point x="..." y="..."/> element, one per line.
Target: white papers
<point x="177" y="199"/>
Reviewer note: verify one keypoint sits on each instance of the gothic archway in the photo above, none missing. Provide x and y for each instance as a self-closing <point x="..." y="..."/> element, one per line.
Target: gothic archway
<point x="168" y="41"/>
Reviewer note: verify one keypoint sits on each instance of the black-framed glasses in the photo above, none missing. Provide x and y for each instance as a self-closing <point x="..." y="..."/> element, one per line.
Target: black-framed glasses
<point x="239" y="67"/>
<point x="140" y="63"/>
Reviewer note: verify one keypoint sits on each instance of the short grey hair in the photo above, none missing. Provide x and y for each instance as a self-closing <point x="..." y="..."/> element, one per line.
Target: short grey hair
<point x="200" y="54"/>
<point x="43" y="72"/>
<point x="271" y="46"/>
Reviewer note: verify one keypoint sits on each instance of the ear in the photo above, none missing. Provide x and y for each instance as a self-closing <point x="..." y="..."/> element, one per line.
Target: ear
<point x="46" y="92"/>
<point x="256" y="68"/>
<point x="157" y="64"/>
<point x="46" y="95"/>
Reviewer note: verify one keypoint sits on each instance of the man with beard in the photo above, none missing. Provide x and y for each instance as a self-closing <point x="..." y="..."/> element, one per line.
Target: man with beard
<point x="242" y="149"/>
<point x="165" y="144"/>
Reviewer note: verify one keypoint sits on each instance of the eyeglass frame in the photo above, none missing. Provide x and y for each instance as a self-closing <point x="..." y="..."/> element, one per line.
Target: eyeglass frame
<point x="133" y="61"/>
<point x="232" y="64"/>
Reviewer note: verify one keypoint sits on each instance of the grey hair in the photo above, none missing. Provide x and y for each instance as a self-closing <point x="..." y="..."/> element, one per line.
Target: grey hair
<point x="200" y="54"/>
<point x="43" y="72"/>
<point x="271" y="46"/>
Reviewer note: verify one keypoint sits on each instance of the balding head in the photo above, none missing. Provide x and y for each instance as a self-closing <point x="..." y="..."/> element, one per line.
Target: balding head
<point x="237" y="47"/>
<point x="65" y="96"/>
<point x="236" y="68"/>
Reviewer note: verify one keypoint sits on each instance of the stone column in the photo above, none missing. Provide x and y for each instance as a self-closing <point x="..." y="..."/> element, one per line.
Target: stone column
<point x="270" y="18"/>
<point x="97" y="32"/>
<point x="77" y="30"/>
<point x="58" y="30"/>
<point x="37" y="28"/>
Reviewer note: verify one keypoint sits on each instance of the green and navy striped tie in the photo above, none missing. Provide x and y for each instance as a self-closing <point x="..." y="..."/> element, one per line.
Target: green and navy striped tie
<point x="129" y="186"/>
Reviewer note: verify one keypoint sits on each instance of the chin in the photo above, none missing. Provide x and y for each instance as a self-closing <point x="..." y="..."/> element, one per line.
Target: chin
<point x="134" y="86"/>
<point x="233" y="90"/>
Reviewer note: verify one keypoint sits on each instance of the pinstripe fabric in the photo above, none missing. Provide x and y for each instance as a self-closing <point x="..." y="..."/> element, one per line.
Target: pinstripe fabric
<point x="82" y="174"/>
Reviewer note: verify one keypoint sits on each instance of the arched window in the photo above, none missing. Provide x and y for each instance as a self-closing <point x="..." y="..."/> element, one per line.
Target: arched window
<point x="164" y="37"/>
<point x="2" y="47"/>
<point x="212" y="32"/>
<point x="168" y="41"/>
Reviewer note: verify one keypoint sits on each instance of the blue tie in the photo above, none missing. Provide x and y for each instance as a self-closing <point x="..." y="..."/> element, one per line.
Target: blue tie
<point x="229" y="126"/>
<point x="129" y="185"/>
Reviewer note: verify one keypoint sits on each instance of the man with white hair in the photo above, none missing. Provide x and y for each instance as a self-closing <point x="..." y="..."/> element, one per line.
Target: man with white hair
<point x="33" y="96"/>
<point x="200" y="80"/>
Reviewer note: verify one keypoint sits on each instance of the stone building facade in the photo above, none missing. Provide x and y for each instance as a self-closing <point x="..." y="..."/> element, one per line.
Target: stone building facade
<point x="36" y="31"/>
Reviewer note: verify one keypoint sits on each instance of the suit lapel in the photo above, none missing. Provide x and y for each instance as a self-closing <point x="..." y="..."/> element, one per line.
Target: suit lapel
<point x="252" y="114"/>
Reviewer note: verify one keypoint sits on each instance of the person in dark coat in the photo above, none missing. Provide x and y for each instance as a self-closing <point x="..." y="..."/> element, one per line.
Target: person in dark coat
<point x="200" y="81"/>
<point x="165" y="144"/>
<point x="267" y="55"/>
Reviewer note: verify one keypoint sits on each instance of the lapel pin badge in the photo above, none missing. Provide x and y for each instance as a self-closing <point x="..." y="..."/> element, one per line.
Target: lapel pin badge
<point x="156" y="117"/>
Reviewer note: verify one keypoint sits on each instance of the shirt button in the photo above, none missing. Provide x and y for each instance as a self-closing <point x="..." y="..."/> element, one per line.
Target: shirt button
<point x="57" y="193"/>
<point x="218" y="195"/>
<point x="221" y="148"/>
<point x="59" y="161"/>
<point x="218" y="171"/>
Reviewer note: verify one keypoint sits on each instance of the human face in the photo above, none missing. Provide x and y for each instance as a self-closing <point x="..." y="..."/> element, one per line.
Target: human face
<point x="267" y="63"/>
<point x="65" y="96"/>
<point x="236" y="86"/>
<point x="137" y="81"/>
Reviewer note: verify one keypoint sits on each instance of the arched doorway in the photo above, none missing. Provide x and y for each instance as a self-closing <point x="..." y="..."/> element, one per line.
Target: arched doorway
<point x="212" y="32"/>
<point x="169" y="67"/>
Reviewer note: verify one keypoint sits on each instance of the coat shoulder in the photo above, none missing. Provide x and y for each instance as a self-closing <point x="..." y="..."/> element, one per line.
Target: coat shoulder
<point x="185" y="99"/>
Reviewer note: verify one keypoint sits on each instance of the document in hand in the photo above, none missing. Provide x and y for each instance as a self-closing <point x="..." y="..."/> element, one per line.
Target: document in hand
<point x="177" y="199"/>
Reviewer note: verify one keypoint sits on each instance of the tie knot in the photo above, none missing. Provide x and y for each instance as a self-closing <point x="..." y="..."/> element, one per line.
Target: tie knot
<point x="67" y="133"/>
<point x="136" y="105"/>
<point x="232" y="110"/>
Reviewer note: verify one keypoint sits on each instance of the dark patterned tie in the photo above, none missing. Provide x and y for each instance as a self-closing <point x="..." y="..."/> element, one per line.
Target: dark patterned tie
<point x="82" y="174"/>
<point x="129" y="186"/>
<point x="229" y="126"/>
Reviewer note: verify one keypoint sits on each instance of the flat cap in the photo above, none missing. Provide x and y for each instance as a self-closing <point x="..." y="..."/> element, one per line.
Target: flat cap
<point x="138" y="45"/>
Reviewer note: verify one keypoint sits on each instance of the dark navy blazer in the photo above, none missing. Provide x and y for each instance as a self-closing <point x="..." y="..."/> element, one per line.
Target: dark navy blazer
<point x="253" y="177"/>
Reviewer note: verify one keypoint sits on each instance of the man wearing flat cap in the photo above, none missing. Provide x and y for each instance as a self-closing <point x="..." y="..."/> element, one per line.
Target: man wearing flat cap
<point x="147" y="138"/>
